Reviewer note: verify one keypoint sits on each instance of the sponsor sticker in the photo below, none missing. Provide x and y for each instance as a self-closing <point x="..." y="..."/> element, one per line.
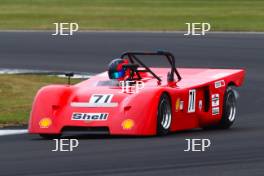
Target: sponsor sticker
<point x="215" y="110"/>
<point x="219" y="84"/>
<point x="215" y="100"/>
<point x="127" y="124"/>
<point x="177" y="105"/>
<point x="89" y="116"/>
<point x="45" y="122"/>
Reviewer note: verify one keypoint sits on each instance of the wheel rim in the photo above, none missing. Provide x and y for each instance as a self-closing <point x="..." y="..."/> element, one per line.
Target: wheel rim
<point x="166" y="115"/>
<point x="231" y="107"/>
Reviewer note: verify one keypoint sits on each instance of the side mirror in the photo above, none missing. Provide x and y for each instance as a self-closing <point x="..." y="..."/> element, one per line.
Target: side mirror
<point x="69" y="75"/>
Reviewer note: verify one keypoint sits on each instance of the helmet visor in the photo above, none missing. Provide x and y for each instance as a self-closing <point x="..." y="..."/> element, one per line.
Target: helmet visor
<point x="117" y="74"/>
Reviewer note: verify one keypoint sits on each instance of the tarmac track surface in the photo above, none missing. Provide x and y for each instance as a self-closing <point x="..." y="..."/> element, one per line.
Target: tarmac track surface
<point x="238" y="151"/>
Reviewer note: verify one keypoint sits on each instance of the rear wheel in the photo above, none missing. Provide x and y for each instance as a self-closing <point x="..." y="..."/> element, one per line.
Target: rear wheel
<point x="50" y="136"/>
<point x="229" y="109"/>
<point x="164" y="115"/>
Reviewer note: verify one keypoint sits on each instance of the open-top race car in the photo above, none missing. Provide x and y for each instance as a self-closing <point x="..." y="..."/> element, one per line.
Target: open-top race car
<point x="134" y="99"/>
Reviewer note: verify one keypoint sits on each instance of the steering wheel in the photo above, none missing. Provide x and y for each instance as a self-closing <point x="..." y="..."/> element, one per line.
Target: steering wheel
<point x="131" y="70"/>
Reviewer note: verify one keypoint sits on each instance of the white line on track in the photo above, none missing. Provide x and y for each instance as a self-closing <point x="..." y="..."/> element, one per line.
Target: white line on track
<point x="12" y="132"/>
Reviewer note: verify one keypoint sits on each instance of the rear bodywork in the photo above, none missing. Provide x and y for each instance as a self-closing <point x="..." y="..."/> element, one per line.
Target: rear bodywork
<point x="60" y="103"/>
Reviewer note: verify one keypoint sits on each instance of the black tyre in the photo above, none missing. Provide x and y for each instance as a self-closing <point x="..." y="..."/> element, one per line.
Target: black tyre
<point x="50" y="136"/>
<point x="164" y="115"/>
<point x="229" y="109"/>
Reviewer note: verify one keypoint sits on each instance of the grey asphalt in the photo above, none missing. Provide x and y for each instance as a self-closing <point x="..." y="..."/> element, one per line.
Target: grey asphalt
<point x="238" y="151"/>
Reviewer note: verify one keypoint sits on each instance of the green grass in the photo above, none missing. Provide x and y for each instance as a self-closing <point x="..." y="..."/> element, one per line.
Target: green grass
<point x="226" y="15"/>
<point x="17" y="93"/>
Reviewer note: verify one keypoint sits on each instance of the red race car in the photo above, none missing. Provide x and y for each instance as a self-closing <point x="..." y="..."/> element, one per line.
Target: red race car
<point x="134" y="99"/>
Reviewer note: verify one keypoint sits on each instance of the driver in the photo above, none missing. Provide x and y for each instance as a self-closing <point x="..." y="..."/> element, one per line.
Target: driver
<point x="116" y="70"/>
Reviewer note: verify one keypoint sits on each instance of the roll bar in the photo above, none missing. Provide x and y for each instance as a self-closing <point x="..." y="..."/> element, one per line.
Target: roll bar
<point x="132" y="56"/>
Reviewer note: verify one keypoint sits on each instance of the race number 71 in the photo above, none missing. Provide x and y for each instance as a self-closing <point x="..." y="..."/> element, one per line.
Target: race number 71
<point x="101" y="98"/>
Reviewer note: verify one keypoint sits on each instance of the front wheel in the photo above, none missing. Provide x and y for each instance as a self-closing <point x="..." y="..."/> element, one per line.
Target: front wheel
<point x="164" y="115"/>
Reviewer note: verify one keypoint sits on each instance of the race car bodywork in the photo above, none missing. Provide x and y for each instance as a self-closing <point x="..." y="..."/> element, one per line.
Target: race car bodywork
<point x="154" y="102"/>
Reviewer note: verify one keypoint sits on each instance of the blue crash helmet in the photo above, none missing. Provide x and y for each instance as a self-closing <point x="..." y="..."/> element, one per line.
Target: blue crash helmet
<point x="115" y="69"/>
